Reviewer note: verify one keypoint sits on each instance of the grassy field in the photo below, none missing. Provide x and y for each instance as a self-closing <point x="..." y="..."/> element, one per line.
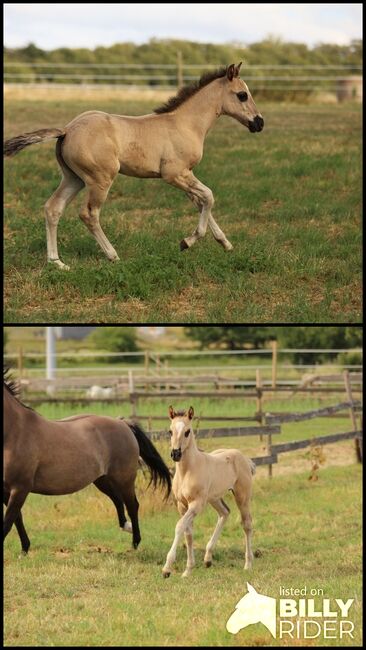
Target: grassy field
<point x="83" y="584"/>
<point x="288" y="199"/>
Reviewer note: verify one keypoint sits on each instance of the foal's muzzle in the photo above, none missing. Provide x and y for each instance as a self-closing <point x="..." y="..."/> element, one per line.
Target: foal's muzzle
<point x="257" y="124"/>
<point x="176" y="454"/>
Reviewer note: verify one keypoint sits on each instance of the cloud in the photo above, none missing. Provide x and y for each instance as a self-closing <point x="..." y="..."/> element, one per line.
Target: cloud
<point x="79" y="25"/>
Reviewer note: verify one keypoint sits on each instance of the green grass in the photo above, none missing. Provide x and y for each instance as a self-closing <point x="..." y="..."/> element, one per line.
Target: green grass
<point x="82" y="583"/>
<point x="288" y="199"/>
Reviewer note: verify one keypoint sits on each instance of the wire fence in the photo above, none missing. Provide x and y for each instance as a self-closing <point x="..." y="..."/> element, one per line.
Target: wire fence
<point x="343" y="80"/>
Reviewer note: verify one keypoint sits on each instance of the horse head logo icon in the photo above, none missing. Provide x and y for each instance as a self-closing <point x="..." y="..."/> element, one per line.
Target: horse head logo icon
<point x="253" y="608"/>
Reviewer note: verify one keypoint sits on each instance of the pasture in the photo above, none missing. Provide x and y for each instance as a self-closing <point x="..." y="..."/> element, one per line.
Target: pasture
<point x="288" y="199"/>
<point x="83" y="584"/>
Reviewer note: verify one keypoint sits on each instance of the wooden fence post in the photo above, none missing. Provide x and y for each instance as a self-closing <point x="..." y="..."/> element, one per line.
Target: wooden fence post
<point x="179" y="70"/>
<point x="131" y="392"/>
<point x="20" y="362"/>
<point x="274" y="363"/>
<point x="258" y="383"/>
<point x="352" y="413"/>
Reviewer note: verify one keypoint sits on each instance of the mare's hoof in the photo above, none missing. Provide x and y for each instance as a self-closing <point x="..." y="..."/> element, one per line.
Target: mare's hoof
<point x="183" y="245"/>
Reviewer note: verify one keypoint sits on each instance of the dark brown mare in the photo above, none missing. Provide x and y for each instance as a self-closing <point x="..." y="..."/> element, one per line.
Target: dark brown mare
<point x="64" y="456"/>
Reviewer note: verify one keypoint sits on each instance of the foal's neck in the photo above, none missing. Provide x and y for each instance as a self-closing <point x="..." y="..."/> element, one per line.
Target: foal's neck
<point x="190" y="453"/>
<point x="201" y="110"/>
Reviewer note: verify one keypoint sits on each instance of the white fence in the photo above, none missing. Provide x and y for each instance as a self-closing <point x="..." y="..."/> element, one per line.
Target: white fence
<point x="268" y="78"/>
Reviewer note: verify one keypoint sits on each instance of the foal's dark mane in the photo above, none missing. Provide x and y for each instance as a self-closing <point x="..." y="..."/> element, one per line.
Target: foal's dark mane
<point x="188" y="91"/>
<point x="13" y="387"/>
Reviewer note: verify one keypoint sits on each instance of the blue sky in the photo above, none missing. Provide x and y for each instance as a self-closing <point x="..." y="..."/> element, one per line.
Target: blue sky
<point x="88" y="25"/>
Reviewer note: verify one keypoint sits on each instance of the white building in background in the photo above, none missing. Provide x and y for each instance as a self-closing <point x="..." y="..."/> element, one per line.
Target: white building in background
<point x="151" y="331"/>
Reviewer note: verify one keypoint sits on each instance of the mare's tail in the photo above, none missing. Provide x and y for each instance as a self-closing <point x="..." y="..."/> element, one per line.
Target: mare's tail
<point x="252" y="466"/>
<point x="12" y="146"/>
<point x="158" y="470"/>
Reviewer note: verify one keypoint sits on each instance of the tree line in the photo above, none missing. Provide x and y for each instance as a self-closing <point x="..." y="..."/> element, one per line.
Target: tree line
<point x="268" y="52"/>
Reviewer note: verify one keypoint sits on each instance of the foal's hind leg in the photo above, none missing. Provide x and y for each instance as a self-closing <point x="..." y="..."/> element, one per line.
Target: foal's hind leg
<point x="224" y="511"/>
<point x="243" y="502"/>
<point x="69" y="187"/>
<point x="24" y="539"/>
<point x="97" y="194"/>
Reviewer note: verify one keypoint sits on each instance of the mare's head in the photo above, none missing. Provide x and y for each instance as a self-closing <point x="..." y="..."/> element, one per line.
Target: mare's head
<point x="180" y="431"/>
<point x="238" y="102"/>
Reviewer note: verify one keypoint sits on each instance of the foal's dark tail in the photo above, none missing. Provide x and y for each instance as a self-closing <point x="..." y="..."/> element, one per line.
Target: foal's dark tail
<point x="158" y="470"/>
<point x="12" y="146"/>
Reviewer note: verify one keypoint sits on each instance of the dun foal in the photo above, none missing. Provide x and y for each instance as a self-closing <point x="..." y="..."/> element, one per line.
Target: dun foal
<point x="95" y="146"/>
<point x="202" y="478"/>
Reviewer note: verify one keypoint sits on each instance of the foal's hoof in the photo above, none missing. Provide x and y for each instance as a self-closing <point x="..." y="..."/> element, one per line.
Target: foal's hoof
<point x="183" y="245"/>
<point x="208" y="564"/>
<point x="60" y="265"/>
<point x="166" y="574"/>
<point x="114" y="259"/>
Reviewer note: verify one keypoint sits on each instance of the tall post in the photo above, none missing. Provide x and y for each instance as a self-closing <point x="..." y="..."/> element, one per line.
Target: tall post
<point x="50" y="359"/>
<point x="50" y="353"/>
<point x="258" y="384"/>
<point x="179" y="70"/>
<point x="131" y="390"/>
<point x="20" y="362"/>
<point x="347" y="383"/>
<point x="274" y="363"/>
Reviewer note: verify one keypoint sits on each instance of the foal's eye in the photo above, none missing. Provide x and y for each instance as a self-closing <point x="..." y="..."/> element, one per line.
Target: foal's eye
<point x="242" y="96"/>
<point x="187" y="433"/>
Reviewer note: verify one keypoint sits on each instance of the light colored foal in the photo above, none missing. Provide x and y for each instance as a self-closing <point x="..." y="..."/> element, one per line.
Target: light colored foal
<point x="202" y="478"/>
<point x="95" y="147"/>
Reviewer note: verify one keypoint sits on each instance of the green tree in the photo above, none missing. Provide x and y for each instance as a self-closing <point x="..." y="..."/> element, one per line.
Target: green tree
<point x="313" y="337"/>
<point x="115" y="339"/>
<point x="232" y="337"/>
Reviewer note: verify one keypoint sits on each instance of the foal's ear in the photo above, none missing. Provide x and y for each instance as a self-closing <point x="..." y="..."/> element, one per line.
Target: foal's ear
<point x="230" y="72"/>
<point x="172" y="413"/>
<point x="237" y="69"/>
<point x="190" y="412"/>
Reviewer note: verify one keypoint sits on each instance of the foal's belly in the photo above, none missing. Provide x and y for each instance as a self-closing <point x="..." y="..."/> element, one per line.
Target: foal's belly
<point x="135" y="160"/>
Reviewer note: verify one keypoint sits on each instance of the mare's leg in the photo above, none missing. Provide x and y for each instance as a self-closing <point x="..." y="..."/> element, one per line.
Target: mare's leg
<point x="223" y="511"/>
<point x="24" y="539"/>
<point x="104" y="486"/>
<point x="13" y="510"/>
<point x="126" y="492"/>
<point x="132" y="505"/>
<point x="242" y="499"/>
<point x="69" y="187"/>
<point x="184" y="524"/>
<point x="189" y="543"/>
<point x="97" y="193"/>
<point x="203" y="199"/>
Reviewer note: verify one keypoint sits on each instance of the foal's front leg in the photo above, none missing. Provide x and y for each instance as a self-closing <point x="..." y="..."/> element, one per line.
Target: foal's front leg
<point x="203" y="199"/>
<point x="184" y="525"/>
<point x="223" y="511"/>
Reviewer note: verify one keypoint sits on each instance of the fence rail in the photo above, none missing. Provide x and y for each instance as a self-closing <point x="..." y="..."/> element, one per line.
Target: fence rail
<point x="166" y="75"/>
